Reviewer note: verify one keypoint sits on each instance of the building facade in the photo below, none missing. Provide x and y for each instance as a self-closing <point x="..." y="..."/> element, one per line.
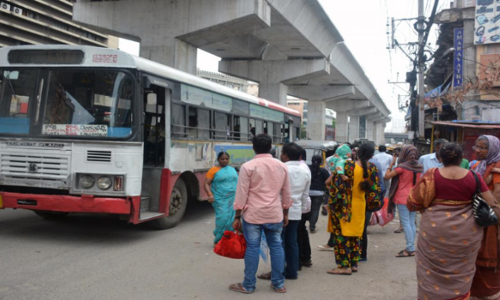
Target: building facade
<point x="34" y="22"/>
<point x="465" y="74"/>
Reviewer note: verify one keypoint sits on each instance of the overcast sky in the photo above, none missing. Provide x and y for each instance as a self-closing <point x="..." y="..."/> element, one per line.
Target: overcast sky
<point x="363" y="26"/>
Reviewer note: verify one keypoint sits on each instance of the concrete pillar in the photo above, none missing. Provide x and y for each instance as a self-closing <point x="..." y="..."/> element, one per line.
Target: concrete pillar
<point x="370" y="130"/>
<point x="341" y="127"/>
<point x="171" y="52"/>
<point x="316" y="120"/>
<point x="353" y="128"/>
<point x="379" y="136"/>
<point x="272" y="75"/>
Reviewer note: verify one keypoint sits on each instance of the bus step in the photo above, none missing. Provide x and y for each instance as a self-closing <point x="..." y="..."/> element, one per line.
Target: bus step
<point x="145" y="204"/>
<point x="145" y="215"/>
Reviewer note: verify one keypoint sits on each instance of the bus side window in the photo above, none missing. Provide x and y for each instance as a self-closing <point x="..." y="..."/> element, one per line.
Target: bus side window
<point x="220" y="126"/>
<point x="244" y="129"/>
<point x="178" y="120"/>
<point x="269" y="130"/>
<point x="258" y="127"/>
<point x="277" y="133"/>
<point x="193" y="123"/>
<point x="203" y="124"/>
<point x="252" y="129"/>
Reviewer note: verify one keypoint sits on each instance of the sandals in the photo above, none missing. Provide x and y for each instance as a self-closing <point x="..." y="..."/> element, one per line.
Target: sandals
<point x="325" y="248"/>
<point x="340" y="272"/>
<point x="354" y="269"/>
<point x="279" y="290"/>
<point x="237" y="287"/>
<point x="265" y="276"/>
<point x="404" y="253"/>
<point x="399" y="230"/>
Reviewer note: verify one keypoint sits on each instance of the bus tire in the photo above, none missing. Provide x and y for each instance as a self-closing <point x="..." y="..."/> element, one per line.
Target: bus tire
<point x="51" y="215"/>
<point x="178" y="204"/>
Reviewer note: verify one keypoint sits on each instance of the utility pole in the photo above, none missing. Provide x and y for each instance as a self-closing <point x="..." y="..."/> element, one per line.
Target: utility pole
<point x="421" y="66"/>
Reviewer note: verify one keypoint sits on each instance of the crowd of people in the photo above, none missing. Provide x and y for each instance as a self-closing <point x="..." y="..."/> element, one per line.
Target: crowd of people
<point x="275" y="198"/>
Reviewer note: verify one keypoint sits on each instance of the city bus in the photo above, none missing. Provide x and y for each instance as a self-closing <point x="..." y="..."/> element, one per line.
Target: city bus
<point x="96" y="130"/>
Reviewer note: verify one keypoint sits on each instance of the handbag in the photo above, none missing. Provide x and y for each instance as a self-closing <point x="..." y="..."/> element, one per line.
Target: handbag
<point x="382" y="217"/>
<point x="231" y="245"/>
<point x="483" y="214"/>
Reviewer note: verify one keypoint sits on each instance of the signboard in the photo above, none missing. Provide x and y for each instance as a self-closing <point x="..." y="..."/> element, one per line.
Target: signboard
<point x="487" y="22"/>
<point x="266" y="113"/>
<point x="75" y="130"/>
<point x="458" y="62"/>
<point x="200" y="97"/>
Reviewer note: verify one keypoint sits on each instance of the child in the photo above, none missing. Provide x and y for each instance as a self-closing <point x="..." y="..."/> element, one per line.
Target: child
<point x="337" y="162"/>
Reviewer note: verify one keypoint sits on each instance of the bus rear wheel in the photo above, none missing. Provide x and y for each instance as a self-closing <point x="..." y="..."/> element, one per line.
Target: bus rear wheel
<point x="51" y="215"/>
<point x="177" y="208"/>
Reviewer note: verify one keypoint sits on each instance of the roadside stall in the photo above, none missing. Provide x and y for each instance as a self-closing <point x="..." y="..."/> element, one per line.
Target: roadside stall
<point x="464" y="133"/>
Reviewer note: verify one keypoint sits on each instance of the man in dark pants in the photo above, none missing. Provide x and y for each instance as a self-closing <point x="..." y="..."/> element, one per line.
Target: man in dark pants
<point x="364" y="239"/>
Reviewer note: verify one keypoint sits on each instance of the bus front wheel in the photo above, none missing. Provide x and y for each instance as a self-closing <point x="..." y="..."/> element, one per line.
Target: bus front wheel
<point x="177" y="208"/>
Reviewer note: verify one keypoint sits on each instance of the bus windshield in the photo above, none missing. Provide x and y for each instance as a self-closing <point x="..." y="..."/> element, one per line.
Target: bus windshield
<point x="66" y="102"/>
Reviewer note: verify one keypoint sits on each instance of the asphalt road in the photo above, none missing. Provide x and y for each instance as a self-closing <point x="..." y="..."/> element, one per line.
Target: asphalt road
<point x="100" y="257"/>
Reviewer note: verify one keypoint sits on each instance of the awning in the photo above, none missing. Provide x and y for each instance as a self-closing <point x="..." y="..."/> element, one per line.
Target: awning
<point x="468" y="125"/>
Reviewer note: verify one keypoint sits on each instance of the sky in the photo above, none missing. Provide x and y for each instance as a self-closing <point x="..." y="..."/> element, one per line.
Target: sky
<point x="363" y="26"/>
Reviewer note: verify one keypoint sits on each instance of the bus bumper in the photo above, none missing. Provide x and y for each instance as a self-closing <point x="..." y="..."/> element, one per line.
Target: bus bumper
<point x="84" y="204"/>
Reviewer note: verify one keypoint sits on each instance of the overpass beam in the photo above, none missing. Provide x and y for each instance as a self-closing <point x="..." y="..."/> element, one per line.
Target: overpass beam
<point x="364" y="111"/>
<point x="171" y="31"/>
<point x="273" y="75"/>
<point x="326" y="93"/>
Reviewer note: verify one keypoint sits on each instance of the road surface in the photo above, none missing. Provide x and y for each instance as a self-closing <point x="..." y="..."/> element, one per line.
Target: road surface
<point x="100" y="257"/>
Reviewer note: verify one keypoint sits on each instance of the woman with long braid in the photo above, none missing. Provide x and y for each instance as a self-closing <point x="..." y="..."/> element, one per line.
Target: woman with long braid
<point x="361" y="191"/>
<point x="404" y="177"/>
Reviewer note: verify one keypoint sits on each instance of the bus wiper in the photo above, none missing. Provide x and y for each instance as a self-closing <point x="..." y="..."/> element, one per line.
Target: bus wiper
<point x="10" y="85"/>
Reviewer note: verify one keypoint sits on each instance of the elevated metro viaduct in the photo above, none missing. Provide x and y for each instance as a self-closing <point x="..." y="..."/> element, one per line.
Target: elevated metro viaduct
<point x="291" y="47"/>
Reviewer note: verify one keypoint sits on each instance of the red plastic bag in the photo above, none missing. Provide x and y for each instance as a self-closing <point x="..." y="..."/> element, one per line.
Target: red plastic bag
<point x="382" y="217"/>
<point x="232" y="245"/>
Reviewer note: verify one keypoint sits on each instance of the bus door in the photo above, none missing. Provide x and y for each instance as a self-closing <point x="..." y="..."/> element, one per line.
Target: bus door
<point x="156" y="131"/>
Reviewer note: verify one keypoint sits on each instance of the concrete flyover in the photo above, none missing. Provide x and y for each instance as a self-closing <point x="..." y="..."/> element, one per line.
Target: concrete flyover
<point x="291" y="47"/>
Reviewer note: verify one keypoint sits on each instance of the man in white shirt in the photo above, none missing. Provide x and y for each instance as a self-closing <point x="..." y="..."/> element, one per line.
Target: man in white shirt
<point x="384" y="160"/>
<point x="300" y="181"/>
<point x="432" y="160"/>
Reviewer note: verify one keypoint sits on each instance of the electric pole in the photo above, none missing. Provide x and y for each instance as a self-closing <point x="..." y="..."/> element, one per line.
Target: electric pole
<point x="421" y="65"/>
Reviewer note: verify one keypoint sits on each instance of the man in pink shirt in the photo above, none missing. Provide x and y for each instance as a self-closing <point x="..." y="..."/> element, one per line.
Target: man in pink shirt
<point x="262" y="201"/>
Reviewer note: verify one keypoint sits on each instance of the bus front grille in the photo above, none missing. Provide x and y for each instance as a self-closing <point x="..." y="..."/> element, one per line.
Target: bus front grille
<point x="44" y="169"/>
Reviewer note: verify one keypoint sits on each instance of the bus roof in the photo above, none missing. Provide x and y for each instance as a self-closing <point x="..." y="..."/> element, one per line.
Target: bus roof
<point x="111" y="58"/>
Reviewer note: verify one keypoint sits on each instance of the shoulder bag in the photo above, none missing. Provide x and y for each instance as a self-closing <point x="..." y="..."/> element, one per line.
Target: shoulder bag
<point x="483" y="214"/>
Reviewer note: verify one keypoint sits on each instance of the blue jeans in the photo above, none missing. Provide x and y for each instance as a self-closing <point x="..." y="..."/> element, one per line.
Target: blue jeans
<point x="253" y="236"/>
<point x="408" y="222"/>
<point x="291" y="247"/>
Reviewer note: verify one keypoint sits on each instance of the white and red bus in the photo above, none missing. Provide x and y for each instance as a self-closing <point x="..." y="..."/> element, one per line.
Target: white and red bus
<point x="96" y="130"/>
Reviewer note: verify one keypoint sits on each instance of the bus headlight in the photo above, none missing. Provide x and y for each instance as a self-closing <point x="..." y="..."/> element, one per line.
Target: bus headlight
<point x="86" y="181"/>
<point x="104" y="183"/>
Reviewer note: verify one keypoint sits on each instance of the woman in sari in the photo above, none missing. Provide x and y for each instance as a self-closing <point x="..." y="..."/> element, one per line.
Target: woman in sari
<point x="347" y="209"/>
<point x="220" y="185"/>
<point x="486" y="283"/>
<point x="449" y="238"/>
<point x="404" y="178"/>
